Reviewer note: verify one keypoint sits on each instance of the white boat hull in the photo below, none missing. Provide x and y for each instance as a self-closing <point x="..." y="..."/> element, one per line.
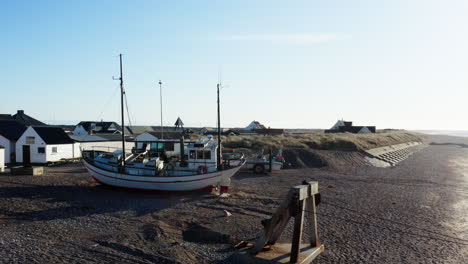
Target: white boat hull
<point x="159" y="183"/>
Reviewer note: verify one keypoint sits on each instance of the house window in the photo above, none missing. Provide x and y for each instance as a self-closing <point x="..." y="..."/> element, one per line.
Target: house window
<point x="30" y="140"/>
<point x="41" y="150"/>
<point x="54" y="150"/>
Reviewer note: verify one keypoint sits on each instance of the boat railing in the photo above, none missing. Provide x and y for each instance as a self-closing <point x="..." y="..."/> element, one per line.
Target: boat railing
<point x="103" y="149"/>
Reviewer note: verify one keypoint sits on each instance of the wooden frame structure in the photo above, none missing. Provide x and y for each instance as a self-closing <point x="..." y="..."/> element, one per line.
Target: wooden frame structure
<point x="301" y="199"/>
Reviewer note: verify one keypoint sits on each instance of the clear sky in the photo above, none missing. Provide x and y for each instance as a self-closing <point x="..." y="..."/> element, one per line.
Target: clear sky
<point x="294" y="64"/>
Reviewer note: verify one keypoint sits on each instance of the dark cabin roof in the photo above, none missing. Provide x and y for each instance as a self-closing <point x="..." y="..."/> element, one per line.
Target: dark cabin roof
<point x="23" y="118"/>
<point x="11" y="129"/>
<point x="167" y="134"/>
<point x="53" y="135"/>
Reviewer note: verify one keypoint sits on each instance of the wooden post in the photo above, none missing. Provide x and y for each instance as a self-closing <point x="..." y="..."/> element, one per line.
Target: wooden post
<point x="302" y="191"/>
<point x="298" y="199"/>
<point x="314" y="240"/>
<point x="271" y="161"/>
<point x="272" y="224"/>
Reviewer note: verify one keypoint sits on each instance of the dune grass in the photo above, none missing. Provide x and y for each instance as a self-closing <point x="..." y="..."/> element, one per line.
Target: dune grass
<point x="338" y="141"/>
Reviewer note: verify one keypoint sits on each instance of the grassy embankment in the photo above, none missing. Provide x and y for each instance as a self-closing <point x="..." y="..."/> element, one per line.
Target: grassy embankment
<point x="321" y="141"/>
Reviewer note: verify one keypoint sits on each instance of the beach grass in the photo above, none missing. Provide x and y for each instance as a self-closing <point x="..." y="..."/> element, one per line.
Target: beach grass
<point x="323" y="141"/>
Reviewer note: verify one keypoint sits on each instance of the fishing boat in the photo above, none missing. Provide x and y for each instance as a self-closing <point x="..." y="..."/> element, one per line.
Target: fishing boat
<point x="199" y="166"/>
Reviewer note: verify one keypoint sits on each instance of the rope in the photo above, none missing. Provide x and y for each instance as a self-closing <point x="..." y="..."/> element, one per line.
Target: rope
<point x="128" y="112"/>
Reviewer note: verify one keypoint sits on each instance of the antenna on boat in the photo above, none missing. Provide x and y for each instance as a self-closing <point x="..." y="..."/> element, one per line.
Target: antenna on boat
<point x="122" y="93"/>
<point x="218" y="152"/>
<point x="160" y="101"/>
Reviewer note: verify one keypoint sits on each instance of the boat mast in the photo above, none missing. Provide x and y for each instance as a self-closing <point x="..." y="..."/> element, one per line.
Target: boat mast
<point x="218" y="152"/>
<point x="122" y="93"/>
<point x="160" y="102"/>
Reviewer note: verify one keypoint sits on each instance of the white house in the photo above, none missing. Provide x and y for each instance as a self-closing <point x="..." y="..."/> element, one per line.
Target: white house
<point x="10" y="132"/>
<point x="255" y="125"/>
<point x="42" y="144"/>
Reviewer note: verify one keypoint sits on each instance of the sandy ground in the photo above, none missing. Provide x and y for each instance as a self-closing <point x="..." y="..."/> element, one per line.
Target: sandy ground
<point x="416" y="212"/>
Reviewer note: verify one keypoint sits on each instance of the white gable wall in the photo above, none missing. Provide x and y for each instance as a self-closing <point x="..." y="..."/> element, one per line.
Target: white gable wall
<point x="364" y="130"/>
<point x="7" y="144"/>
<point x="63" y="151"/>
<point x="79" y="130"/>
<point x="337" y="125"/>
<point x="2" y="159"/>
<point x="38" y="142"/>
<point x="145" y="137"/>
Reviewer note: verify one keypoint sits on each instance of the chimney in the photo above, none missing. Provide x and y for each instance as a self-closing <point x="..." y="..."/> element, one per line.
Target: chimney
<point x="20" y="112"/>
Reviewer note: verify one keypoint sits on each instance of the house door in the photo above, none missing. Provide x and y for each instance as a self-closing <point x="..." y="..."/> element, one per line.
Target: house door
<point x="26" y="154"/>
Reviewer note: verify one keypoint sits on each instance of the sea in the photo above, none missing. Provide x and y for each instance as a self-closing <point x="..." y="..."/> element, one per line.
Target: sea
<point x="456" y="133"/>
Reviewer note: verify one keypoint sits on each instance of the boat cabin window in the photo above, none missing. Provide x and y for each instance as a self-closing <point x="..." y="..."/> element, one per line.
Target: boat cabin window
<point x="200" y="154"/>
<point x="157" y="146"/>
<point x="169" y="146"/>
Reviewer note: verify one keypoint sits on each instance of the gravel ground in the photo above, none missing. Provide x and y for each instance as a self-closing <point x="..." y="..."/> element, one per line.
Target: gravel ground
<point x="415" y="212"/>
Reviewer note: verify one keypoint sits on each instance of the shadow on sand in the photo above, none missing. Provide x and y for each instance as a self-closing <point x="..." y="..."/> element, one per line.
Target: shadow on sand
<point x="43" y="203"/>
<point x="461" y="145"/>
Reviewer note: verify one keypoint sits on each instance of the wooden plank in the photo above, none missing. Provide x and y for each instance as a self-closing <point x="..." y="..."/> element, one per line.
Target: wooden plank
<point x="301" y="191"/>
<point x="312" y="216"/>
<point x="272" y="224"/>
<point x="278" y="254"/>
<point x="313" y="187"/>
<point x="297" y="233"/>
<point x="280" y="228"/>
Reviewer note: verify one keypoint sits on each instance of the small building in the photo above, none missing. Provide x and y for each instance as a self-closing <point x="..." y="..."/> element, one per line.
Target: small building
<point x="102" y="127"/>
<point x="10" y="131"/>
<point x="255" y="125"/>
<point x="231" y="132"/>
<point x="342" y="126"/>
<point x="43" y="144"/>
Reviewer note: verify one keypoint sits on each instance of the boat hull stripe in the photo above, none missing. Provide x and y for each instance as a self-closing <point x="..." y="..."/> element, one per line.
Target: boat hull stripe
<point x="217" y="175"/>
